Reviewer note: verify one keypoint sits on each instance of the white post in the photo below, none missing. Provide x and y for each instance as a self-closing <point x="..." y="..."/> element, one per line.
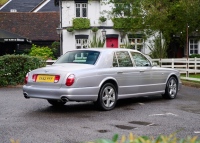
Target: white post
<point x="195" y="64"/>
<point x="173" y="63"/>
<point x="187" y="68"/>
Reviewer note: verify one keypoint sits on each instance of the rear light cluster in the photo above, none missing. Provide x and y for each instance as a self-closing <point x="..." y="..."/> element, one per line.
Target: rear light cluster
<point x="56" y="79"/>
<point x="70" y="80"/>
<point x="34" y="77"/>
<point x="26" y="79"/>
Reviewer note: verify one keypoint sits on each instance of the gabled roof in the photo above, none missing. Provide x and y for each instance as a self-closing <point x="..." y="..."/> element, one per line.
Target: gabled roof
<point x="29" y="6"/>
<point x="49" y="7"/>
<point x="21" y="5"/>
<point x="34" y="26"/>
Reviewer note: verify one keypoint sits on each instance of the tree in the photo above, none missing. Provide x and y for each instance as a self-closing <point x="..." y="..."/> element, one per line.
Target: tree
<point x="168" y="17"/>
<point x="127" y="15"/>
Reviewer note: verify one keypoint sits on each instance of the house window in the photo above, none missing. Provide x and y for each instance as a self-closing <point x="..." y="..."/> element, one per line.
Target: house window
<point x="193" y="46"/>
<point x="81" y="43"/>
<point x="81" y="9"/>
<point x="136" y="43"/>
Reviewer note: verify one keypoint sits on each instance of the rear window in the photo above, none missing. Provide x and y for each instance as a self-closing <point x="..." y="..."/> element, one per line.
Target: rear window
<point x="81" y="57"/>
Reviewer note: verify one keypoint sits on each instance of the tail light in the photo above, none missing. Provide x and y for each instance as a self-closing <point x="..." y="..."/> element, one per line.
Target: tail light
<point x="26" y="79"/>
<point x="56" y="79"/>
<point x="70" y="80"/>
<point x="34" y="77"/>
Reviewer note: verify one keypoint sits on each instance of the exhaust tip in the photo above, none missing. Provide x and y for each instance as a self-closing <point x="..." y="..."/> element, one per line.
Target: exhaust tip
<point x="26" y="96"/>
<point x="64" y="99"/>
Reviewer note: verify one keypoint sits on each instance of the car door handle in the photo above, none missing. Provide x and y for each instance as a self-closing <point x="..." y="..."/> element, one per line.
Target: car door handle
<point x="119" y="72"/>
<point x="141" y="70"/>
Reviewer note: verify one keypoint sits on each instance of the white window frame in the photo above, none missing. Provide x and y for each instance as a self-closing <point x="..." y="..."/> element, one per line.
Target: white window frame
<point x="192" y="45"/>
<point x="81" y="6"/>
<point x="82" y="43"/>
<point x="136" y="44"/>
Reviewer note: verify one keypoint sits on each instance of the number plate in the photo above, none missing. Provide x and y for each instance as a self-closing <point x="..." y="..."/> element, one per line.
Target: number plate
<point x="45" y="78"/>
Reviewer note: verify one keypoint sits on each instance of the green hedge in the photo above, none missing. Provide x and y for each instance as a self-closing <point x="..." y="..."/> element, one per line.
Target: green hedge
<point x="195" y="55"/>
<point x="13" y="68"/>
<point x="81" y="23"/>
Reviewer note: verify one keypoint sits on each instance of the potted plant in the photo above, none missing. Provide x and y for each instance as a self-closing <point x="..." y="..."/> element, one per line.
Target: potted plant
<point x="94" y="29"/>
<point x="102" y="18"/>
<point x="70" y="29"/>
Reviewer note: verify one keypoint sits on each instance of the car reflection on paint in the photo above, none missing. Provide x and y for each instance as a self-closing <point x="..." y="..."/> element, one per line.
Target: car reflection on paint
<point x="102" y="76"/>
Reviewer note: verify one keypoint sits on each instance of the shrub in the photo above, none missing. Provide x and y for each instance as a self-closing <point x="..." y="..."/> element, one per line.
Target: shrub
<point x="145" y="139"/>
<point x="55" y="48"/>
<point x="43" y="52"/>
<point x="158" y="50"/>
<point x="96" y="42"/>
<point x="195" y="55"/>
<point x="13" y="68"/>
<point x="81" y="23"/>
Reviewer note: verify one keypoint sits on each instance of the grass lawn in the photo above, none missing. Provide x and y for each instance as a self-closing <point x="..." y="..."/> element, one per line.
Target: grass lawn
<point x="192" y="75"/>
<point x="191" y="83"/>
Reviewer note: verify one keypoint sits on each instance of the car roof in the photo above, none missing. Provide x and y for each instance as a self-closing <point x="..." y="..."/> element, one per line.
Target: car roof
<point x="106" y="49"/>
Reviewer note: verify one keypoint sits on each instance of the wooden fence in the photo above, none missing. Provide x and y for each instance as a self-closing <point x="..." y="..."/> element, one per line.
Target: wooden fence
<point x="184" y="65"/>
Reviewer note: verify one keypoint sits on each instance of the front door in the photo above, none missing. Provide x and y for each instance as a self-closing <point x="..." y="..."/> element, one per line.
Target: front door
<point x="112" y="42"/>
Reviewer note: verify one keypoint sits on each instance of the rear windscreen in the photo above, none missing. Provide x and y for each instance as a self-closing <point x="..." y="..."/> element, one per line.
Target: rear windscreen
<point x="81" y="57"/>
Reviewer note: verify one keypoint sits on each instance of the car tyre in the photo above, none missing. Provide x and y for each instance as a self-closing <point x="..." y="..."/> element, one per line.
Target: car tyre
<point x="107" y="97"/>
<point x="56" y="102"/>
<point x="171" y="88"/>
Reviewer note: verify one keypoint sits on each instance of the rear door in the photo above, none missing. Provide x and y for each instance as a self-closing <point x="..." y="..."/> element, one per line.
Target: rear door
<point x="126" y="74"/>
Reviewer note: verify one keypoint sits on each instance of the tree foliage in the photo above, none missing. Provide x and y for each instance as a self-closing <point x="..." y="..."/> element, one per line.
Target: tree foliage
<point x="170" y="17"/>
<point x="131" y="13"/>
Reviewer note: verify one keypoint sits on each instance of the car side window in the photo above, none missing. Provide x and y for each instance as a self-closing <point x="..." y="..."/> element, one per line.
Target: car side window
<point x="115" y="63"/>
<point x="124" y="59"/>
<point x="140" y="60"/>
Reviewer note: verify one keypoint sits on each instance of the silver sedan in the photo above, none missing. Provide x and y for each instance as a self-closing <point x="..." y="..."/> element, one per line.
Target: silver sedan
<point x="100" y="75"/>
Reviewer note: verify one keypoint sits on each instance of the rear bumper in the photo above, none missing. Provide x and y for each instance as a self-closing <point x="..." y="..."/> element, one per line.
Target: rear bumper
<point x="72" y="94"/>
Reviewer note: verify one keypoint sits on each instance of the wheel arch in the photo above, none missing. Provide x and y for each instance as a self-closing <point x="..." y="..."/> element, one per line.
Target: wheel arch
<point x="173" y="75"/>
<point x="108" y="80"/>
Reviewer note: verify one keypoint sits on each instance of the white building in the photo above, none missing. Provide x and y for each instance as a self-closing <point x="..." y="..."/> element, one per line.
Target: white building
<point x="93" y="10"/>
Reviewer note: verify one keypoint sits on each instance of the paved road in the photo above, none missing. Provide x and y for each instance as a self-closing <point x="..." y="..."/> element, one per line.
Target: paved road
<point x="35" y="121"/>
